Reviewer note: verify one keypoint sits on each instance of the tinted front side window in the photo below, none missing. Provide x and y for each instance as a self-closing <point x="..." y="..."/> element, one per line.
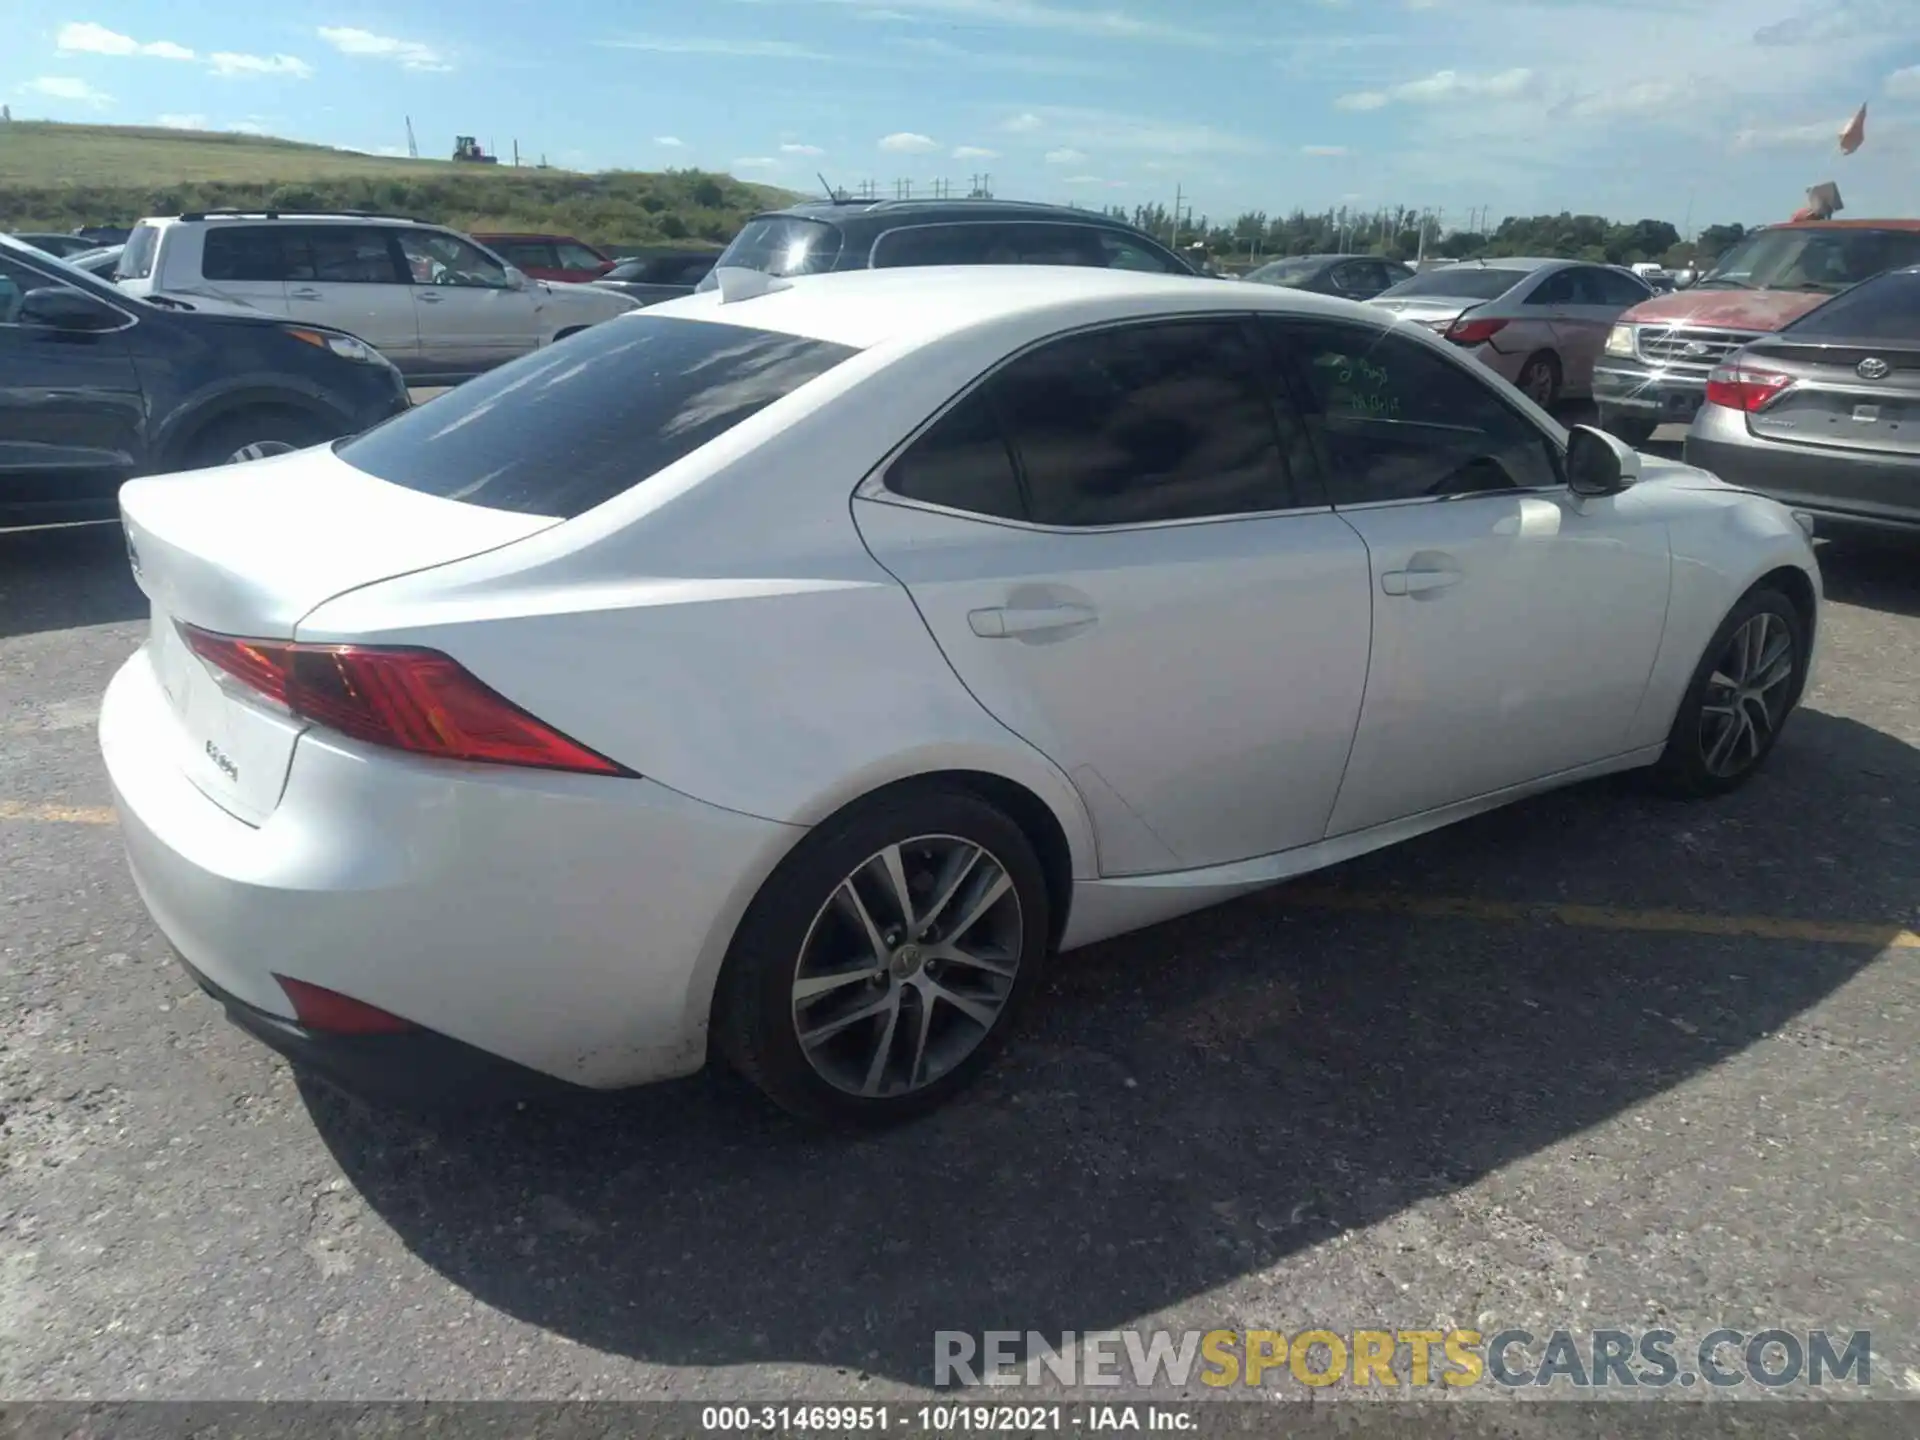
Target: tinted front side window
<point x="1398" y="422"/>
<point x="561" y="430"/>
<point x="1155" y="422"/>
<point x="1884" y="309"/>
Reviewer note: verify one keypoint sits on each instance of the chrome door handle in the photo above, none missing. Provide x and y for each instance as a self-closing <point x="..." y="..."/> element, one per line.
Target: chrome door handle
<point x="1418" y="582"/>
<point x="1004" y="624"/>
<point x="305" y="295"/>
<point x="426" y="297"/>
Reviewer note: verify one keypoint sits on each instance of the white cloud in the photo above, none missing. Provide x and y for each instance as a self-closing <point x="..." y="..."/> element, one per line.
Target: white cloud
<point x="228" y="62"/>
<point x="1022" y="124"/>
<point x="1083" y="180"/>
<point x="1066" y="155"/>
<point x="738" y="49"/>
<point x="947" y="54"/>
<point x="793" y="149"/>
<point x="254" y="127"/>
<point x="1905" y="83"/>
<point x="182" y="122"/>
<point x="1790" y="137"/>
<point x="1323" y="151"/>
<point x="1443" y="86"/>
<point x="756" y="162"/>
<point x="671" y="142"/>
<point x="62" y="87"/>
<point x="906" y="142"/>
<point x="83" y="37"/>
<point x="407" y="54"/>
<point x="1106" y="131"/>
<point x="974" y="152"/>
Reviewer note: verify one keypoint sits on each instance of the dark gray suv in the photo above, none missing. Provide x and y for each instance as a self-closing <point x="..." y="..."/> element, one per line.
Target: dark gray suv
<point x="815" y="237"/>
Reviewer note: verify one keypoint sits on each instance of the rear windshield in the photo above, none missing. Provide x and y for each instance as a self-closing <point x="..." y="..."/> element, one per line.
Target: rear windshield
<point x="1286" y="272"/>
<point x="136" y="261"/>
<point x="1812" y="259"/>
<point x="781" y="245"/>
<point x="561" y="430"/>
<point x="1884" y="308"/>
<point x="1459" y="282"/>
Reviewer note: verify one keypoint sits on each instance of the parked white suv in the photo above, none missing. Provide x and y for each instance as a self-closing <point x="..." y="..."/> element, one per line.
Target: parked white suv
<point x="434" y="302"/>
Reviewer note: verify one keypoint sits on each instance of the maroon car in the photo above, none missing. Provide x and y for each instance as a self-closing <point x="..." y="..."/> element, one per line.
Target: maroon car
<point x="549" y="257"/>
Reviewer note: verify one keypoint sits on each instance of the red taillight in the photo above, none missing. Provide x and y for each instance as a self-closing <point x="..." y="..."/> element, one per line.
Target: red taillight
<point x="1742" y="387"/>
<point x="1474" y="332"/>
<point x="318" y="1008"/>
<point x="407" y="699"/>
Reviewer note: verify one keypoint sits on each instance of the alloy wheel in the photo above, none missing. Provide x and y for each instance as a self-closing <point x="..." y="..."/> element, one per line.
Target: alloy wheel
<point x="908" y="966"/>
<point x="1747" y="696"/>
<point x="1537" y="383"/>
<point x="259" y="450"/>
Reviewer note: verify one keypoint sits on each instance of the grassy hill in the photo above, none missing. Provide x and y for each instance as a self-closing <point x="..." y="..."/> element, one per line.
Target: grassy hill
<point x="54" y="177"/>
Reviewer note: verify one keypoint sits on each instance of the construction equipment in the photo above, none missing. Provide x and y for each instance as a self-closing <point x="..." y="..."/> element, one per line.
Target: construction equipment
<point x="466" y="148"/>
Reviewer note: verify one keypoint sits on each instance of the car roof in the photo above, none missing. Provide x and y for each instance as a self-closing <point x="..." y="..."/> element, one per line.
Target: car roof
<point x="301" y="217"/>
<point x="866" y="308"/>
<point x="907" y="211"/>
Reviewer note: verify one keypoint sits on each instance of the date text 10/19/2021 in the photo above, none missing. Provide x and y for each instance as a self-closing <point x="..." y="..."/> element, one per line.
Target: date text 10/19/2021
<point x="942" y="1419"/>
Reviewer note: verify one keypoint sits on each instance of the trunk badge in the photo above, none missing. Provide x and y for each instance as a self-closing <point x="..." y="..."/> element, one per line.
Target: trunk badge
<point x="1873" y="368"/>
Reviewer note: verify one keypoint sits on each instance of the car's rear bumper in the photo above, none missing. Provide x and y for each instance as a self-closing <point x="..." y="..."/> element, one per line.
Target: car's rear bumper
<point x="417" y="1067"/>
<point x="1837" y="486"/>
<point x="573" y="925"/>
<point x="1628" y="389"/>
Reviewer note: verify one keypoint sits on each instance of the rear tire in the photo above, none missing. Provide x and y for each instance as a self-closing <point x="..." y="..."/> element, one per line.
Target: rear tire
<point x="254" y="435"/>
<point x="1744" y="689"/>
<point x="1540" y="379"/>
<point x="845" y="1011"/>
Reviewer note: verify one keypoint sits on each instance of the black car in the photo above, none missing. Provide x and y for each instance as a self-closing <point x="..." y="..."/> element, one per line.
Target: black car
<point x="97" y="386"/>
<point x="814" y="237"/>
<point x="1355" y="277"/>
<point x="666" y="275"/>
<point x="51" y="243"/>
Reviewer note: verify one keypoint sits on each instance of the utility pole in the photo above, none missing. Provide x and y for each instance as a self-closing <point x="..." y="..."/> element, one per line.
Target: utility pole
<point x="413" y="149"/>
<point x="1173" y="242"/>
<point x="516" y="154"/>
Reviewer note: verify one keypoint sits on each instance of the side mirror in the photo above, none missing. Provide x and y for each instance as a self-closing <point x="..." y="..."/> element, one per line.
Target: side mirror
<point x="55" y="307"/>
<point x="516" y="278"/>
<point x="1599" y="463"/>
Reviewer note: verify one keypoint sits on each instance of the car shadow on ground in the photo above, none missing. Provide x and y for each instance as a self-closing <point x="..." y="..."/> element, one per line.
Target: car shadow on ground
<point x="1187" y="1106"/>
<point x="65" y="576"/>
<point x="1874" y="572"/>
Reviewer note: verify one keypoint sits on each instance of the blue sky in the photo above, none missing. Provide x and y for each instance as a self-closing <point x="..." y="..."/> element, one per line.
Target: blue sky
<point x="1726" y="108"/>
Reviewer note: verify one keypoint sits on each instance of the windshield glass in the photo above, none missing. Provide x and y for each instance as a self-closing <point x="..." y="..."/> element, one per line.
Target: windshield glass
<point x="1286" y="272"/>
<point x="1461" y="282"/>
<point x="780" y="245"/>
<point x="1812" y="259"/>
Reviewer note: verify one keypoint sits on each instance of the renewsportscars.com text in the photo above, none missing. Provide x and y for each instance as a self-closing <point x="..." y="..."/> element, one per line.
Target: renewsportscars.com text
<point x="1577" y="1359"/>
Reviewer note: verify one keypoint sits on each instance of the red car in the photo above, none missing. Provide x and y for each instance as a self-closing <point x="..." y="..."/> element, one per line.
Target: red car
<point x="549" y="257"/>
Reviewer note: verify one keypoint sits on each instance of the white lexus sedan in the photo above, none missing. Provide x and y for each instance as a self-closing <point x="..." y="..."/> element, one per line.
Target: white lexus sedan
<point x="787" y="672"/>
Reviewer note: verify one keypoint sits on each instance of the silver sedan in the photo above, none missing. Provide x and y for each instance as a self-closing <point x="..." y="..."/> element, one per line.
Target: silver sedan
<point x="1538" y="323"/>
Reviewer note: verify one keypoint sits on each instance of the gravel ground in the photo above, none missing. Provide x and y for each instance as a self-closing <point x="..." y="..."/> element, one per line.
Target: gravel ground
<point x="1404" y="1096"/>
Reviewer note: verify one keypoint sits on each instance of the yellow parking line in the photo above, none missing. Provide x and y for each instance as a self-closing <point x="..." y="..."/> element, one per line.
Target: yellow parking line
<point x="57" y="814"/>
<point x="1888" y="935"/>
<point x="1884" y="936"/>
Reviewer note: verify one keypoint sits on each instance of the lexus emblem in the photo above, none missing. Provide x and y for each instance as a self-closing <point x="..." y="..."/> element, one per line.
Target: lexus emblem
<point x="1872" y="368"/>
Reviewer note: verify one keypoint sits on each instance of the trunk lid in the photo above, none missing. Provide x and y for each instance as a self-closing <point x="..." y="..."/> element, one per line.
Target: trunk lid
<point x="250" y="550"/>
<point x="1436" y="312"/>
<point x="1851" y="396"/>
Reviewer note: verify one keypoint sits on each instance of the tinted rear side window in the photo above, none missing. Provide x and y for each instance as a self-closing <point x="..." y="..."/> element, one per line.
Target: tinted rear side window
<point x="564" y="429"/>
<point x="243" y="252"/>
<point x="986" y="243"/>
<point x="1887" y="308"/>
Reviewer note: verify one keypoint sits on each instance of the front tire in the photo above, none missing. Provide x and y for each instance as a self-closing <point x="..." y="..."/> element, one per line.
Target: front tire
<point x="885" y="961"/>
<point x="1747" y="684"/>
<point x="253" y="435"/>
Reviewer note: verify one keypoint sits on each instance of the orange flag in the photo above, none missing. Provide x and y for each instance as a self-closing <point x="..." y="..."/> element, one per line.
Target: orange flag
<point x="1855" y="132"/>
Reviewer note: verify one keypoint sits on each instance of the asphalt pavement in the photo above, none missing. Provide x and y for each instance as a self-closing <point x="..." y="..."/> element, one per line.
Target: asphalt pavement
<point x="1597" y="1060"/>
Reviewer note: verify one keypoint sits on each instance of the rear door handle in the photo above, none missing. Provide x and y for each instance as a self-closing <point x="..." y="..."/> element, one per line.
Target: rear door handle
<point x="1418" y="582"/>
<point x="426" y="297"/>
<point x="1005" y="624"/>
<point x="305" y="295"/>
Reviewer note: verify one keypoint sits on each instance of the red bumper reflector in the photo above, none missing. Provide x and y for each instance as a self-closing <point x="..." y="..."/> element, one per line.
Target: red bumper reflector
<point x="318" y="1008"/>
